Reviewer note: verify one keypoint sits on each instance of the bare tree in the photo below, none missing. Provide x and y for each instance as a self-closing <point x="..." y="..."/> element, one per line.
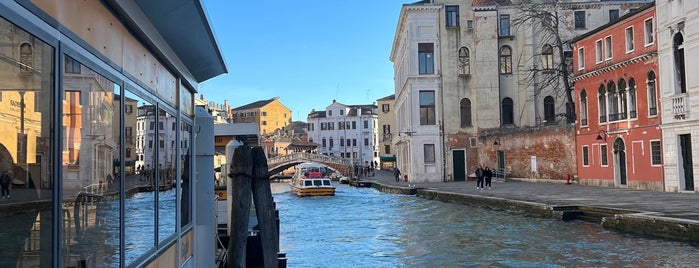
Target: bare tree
<point x="553" y="71"/>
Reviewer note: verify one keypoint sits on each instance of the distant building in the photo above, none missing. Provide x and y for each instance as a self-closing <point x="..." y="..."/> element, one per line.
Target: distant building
<point x="678" y="40"/>
<point x="386" y="122"/>
<point x="347" y="131"/>
<point x="618" y="135"/>
<point x="270" y="115"/>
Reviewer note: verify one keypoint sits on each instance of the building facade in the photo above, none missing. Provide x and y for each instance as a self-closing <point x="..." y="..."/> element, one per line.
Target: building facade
<point x="679" y="92"/>
<point x="347" y="131"/>
<point x="271" y="115"/>
<point x="618" y="140"/>
<point x="75" y="78"/>
<point x="387" y="124"/>
<point x="470" y="73"/>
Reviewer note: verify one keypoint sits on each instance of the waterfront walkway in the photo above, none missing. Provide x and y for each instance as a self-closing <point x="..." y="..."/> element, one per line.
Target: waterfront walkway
<point x="637" y="211"/>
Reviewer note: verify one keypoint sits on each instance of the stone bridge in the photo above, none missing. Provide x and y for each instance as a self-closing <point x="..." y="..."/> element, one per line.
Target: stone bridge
<point x="280" y="163"/>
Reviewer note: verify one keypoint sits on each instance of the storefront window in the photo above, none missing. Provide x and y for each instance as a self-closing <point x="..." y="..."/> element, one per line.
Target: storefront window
<point x="185" y="167"/>
<point x="91" y="168"/>
<point x="26" y="94"/>
<point x="167" y="163"/>
<point x="139" y="209"/>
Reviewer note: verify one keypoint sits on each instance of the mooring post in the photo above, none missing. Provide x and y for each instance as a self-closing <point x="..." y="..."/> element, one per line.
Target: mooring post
<point x="264" y="207"/>
<point x="240" y="174"/>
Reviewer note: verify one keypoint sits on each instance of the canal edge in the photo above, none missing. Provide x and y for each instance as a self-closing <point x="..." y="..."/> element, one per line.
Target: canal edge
<point x="648" y="224"/>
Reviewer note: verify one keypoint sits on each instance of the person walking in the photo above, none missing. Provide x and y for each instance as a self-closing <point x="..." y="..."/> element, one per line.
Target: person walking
<point x="479" y="177"/>
<point x="396" y="173"/>
<point x="488" y="174"/>
<point x="5" y="181"/>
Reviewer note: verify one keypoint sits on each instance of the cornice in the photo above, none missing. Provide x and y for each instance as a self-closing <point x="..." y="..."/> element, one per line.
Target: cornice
<point x="616" y="66"/>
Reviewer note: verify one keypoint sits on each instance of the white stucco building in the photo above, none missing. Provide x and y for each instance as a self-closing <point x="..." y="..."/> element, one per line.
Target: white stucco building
<point x="348" y="131"/>
<point x="463" y="78"/>
<point x="678" y="46"/>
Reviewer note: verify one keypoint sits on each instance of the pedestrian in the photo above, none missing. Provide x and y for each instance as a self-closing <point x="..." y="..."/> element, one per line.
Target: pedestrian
<point x="5" y="181"/>
<point x="488" y="174"/>
<point x="479" y="177"/>
<point x="396" y="173"/>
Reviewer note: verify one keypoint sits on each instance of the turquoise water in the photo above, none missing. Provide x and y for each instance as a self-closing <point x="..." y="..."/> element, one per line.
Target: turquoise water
<point x="361" y="227"/>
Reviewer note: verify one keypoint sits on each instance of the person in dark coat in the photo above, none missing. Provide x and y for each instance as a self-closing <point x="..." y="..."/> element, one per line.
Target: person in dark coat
<point x="5" y="181"/>
<point x="480" y="177"/>
<point x="396" y="173"/>
<point x="488" y="174"/>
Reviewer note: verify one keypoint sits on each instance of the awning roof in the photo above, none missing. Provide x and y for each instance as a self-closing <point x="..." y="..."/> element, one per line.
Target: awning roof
<point x="185" y="30"/>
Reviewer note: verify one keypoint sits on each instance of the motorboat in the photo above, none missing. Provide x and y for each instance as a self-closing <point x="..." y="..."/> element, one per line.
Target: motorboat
<point x="311" y="180"/>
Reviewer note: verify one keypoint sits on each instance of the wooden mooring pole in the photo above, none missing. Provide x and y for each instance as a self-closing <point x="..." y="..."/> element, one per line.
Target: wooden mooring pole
<point x="241" y="173"/>
<point x="250" y="178"/>
<point x="264" y="207"/>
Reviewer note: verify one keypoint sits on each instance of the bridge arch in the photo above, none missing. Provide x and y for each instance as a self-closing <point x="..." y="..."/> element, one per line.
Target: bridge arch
<point x="280" y="163"/>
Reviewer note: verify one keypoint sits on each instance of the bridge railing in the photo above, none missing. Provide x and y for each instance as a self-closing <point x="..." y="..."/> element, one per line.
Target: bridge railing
<point x="274" y="161"/>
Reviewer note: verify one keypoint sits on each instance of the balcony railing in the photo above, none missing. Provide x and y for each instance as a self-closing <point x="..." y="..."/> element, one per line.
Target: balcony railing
<point x="387" y="136"/>
<point x="680" y="109"/>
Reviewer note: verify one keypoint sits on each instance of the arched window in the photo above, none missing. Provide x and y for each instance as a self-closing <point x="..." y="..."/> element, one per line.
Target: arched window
<point x="612" y="101"/>
<point x="602" y="104"/>
<point x="25" y="57"/>
<point x="547" y="57"/>
<point x="508" y="117"/>
<point x="652" y="95"/>
<point x="465" y="112"/>
<point x="623" y="108"/>
<point x="632" y="98"/>
<point x="505" y="60"/>
<point x="549" y="110"/>
<point x="464" y="61"/>
<point x="680" y="77"/>
<point x="583" y="108"/>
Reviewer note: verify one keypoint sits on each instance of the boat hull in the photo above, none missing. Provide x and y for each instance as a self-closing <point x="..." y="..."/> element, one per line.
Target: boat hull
<point x="312" y="191"/>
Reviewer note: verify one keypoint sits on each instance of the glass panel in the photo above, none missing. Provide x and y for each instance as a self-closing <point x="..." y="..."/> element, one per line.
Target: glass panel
<point x="91" y="169"/>
<point x="139" y="209"/>
<point x="167" y="163"/>
<point x="186" y="101"/>
<point x="186" y="175"/>
<point x="26" y="109"/>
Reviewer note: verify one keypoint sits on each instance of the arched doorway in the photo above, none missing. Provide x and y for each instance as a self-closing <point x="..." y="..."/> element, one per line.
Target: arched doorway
<point x="620" y="162"/>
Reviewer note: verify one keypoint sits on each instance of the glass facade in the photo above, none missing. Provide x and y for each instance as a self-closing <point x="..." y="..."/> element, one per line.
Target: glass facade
<point x="89" y="159"/>
<point x="27" y="143"/>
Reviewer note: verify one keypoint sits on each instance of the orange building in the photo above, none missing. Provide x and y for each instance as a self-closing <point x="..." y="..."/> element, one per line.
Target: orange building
<point x="618" y="133"/>
<point x="269" y="114"/>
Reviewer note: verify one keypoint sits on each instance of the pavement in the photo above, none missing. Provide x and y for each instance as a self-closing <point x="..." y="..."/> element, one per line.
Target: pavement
<point x="669" y="207"/>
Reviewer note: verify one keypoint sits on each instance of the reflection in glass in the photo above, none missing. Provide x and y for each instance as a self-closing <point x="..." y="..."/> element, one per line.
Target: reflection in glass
<point x="26" y="75"/>
<point x="139" y="209"/>
<point x="185" y="167"/>
<point x="167" y="163"/>
<point x="90" y="173"/>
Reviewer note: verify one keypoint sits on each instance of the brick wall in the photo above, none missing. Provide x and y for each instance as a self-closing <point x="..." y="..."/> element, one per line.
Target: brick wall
<point x="554" y="148"/>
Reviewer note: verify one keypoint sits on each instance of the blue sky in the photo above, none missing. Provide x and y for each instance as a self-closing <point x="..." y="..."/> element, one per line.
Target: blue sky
<point x="307" y="53"/>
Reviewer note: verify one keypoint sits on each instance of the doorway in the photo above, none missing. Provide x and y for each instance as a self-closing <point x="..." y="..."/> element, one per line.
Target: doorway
<point x="459" y="164"/>
<point x="620" y="161"/>
<point x="686" y="158"/>
<point x="500" y="172"/>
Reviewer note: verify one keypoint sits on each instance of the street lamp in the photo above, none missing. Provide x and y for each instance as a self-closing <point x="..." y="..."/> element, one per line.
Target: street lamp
<point x="600" y="137"/>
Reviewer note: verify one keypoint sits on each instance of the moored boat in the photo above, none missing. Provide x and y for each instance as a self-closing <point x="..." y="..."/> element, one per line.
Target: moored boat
<point x="311" y="180"/>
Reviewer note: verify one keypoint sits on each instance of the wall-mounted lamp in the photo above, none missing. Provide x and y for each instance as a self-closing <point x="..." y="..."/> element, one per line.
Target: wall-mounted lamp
<point x="409" y="133"/>
<point x="496" y="142"/>
<point x="600" y="137"/>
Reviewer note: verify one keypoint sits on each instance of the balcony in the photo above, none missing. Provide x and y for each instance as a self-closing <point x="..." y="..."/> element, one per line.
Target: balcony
<point x="387" y="136"/>
<point x="680" y="109"/>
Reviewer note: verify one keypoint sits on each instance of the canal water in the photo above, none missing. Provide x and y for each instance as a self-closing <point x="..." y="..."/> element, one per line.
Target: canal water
<point x="361" y="227"/>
